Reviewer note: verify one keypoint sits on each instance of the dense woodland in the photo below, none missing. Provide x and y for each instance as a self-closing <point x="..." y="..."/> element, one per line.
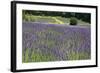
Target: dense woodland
<point x="82" y="16"/>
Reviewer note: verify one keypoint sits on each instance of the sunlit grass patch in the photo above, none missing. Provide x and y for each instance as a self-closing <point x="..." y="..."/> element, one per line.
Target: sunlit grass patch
<point x="37" y="57"/>
<point x="78" y="55"/>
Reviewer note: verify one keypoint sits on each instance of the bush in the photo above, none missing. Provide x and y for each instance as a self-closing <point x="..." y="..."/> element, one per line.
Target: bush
<point x="73" y="21"/>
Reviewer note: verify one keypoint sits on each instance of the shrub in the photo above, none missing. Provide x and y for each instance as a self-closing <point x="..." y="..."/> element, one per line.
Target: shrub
<point x="73" y="21"/>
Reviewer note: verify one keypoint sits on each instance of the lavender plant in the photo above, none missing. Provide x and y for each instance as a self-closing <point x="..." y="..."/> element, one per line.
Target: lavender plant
<point x="52" y="42"/>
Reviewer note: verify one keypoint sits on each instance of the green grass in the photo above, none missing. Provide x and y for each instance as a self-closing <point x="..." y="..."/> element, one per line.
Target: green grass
<point x="37" y="57"/>
<point x="78" y="56"/>
<point x="82" y="22"/>
<point x="40" y="57"/>
<point x="65" y="20"/>
<point x="25" y="58"/>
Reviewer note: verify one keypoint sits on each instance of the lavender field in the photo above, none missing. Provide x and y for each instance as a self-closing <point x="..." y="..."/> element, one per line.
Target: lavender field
<point x="51" y="42"/>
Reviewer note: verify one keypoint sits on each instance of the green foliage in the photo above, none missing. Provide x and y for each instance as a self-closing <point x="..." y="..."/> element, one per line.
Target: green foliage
<point x="28" y="17"/>
<point x="40" y="57"/>
<point x="37" y="57"/>
<point x="86" y="17"/>
<point x="25" y="58"/>
<point x="78" y="55"/>
<point x="73" y="21"/>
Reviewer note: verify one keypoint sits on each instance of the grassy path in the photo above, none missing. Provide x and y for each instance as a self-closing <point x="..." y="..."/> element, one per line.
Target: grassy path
<point x="57" y="20"/>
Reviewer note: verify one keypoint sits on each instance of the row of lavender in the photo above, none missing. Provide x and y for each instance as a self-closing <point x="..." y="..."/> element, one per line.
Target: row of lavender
<point x="51" y="42"/>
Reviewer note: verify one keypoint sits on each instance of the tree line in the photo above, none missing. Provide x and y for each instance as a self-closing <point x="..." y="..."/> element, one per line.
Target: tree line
<point x="83" y="16"/>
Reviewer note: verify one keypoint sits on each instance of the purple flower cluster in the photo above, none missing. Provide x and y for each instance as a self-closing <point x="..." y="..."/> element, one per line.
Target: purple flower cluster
<point x="58" y="40"/>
